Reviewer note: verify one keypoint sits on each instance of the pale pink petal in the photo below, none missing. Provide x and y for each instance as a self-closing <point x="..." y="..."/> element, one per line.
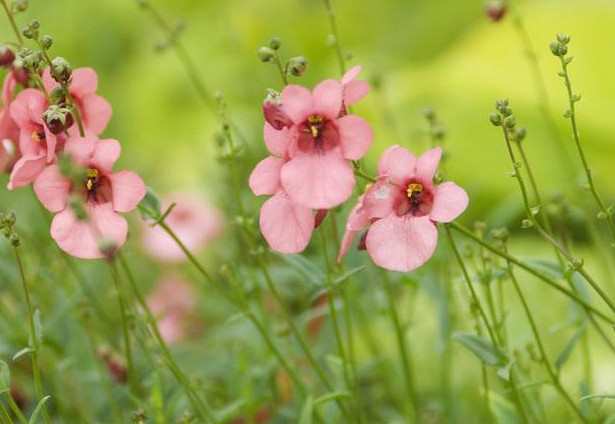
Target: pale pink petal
<point x="52" y="189"/>
<point x="449" y="202"/>
<point x="427" y="164"/>
<point x="297" y="102"/>
<point x="327" y="97"/>
<point x="265" y="178"/>
<point x="286" y="226"/>
<point x="84" y="82"/>
<point x="355" y="91"/>
<point x="398" y="164"/>
<point x="346" y="244"/>
<point x="106" y="153"/>
<point x="25" y="171"/>
<point x="8" y="88"/>
<point x="80" y="149"/>
<point x="380" y="199"/>
<point x="95" y="113"/>
<point x="277" y="141"/>
<point x="355" y="136"/>
<point x="50" y="142"/>
<point x="358" y="218"/>
<point x="28" y="107"/>
<point x="351" y="74"/>
<point x="128" y="190"/>
<point x="319" y="180"/>
<point x="81" y="238"/>
<point x="402" y="243"/>
<point x="48" y="80"/>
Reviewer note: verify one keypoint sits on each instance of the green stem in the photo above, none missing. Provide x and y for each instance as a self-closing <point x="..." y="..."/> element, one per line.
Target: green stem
<point x="11" y="19"/>
<point x="334" y="32"/>
<point x="363" y="175"/>
<point x="281" y="69"/>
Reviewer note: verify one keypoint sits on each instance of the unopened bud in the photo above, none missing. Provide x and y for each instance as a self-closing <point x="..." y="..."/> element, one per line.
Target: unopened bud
<point x="46" y="42"/>
<point x="20" y="73"/>
<point x="265" y="54"/>
<point x="495" y="10"/>
<point x="520" y="134"/>
<point x="107" y="246"/>
<point x="495" y="119"/>
<point x="20" y="5"/>
<point x="297" y="65"/>
<point x="510" y="122"/>
<point x="276" y="116"/>
<point x="275" y="43"/>
<point x="563" y="38"/>
<point x="58" y="119"/>
<point x="7" y="56"/>
<point x="14" y="240"/>
<point x="61" y="70"/>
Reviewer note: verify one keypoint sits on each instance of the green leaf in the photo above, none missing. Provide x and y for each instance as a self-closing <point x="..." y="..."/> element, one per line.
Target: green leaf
<point x="565" y="354"/>
<point x="598" y="396"/>
<point x="345" y="276"/>
<point x="150" y="205"/>
<point x="304" y="268"/>
<point x="23" y="352"/>
<point x="330" y="397"/>
<point x="307" y="411"/>
<point x="5" y="374"/>
<point x="503" y="410"/>
<point x="38" y="409"/>
<point x="482" y="348"/>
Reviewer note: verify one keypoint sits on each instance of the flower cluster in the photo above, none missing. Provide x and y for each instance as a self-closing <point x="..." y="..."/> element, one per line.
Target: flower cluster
<point x="50" y="123"/>
<point x="312" y="140"/>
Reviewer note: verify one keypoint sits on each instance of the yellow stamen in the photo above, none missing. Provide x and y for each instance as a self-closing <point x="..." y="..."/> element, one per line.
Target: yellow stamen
<point x="35" y="137"/>
<point x="91" y="174"/>
<point x="414" y="188"/>
<point x="367" y="187"/>
<point x="315" y="122"/>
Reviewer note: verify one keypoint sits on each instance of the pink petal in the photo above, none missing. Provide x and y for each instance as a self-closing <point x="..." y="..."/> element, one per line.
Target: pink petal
<point x="397" y="163"/>
<point x="8" y="89"/>
<point x="84" y="82"/>
<point x="106" y="153"/>
<point x="95" y="113"/>
<point x="318" y="180"/>
<point x="427" y="164"/>
<point x="327" y="97"/>
<point x="275" y="115"/>
<point x="449" y="202"/>
<point x="351" y="74"/>
<point x="26" y="170"/>
<point x="28" y="107"/>
<point x="355" y="91"/>
<point x="48" y="80"/>
<point x="358" y="218"/>
<point x="81" y="238"/>
<point x="128" y="190"/>
<point x="346" y="244"/>
<point x="265" y="178"/>
<point x="277" y="141"/>
<point x="380" y="199"/>
<point x="52" y="189"/>
<point x="81" y="149"/>
<point x="402" y="243"/>
<point x="355" y="136"/>
<point x="286" y="226"/>
<point x="297" y="102"/>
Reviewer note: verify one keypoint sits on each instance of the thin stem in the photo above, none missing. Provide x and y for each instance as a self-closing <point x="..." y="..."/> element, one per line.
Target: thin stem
<point x="281" y="69"/>
<point x="11" y="19"/>
<point x="34" y="342"/>
<point x="334" y="32"/>
<point x="13" y="405"/>
<point x="360" y="173"/>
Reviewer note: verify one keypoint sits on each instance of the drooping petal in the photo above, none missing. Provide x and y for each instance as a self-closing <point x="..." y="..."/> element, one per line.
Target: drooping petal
<point x="84" y="82"/>
<point x="397" y="163"/>
<point x="275" y="115"/>
<point x="318" y="180"/>
<point x="380" y="199"/>
<point x="8" y="89"/>
<point x="128" y="190"/>
<point x="355" y="136"/>
<point x="52" y="189"/>
<point x="297" y="102"/>
<point x="277" y="141"/>
<point x="402" y="243"/>
<point x="355" y="91"/>
<point x="96" y="113"/>
<point x="25" y="171"/>
<point x="346" y="244"/>
<point x="265" y="178"/>
<point x="81" y="149"/>
<point x="449" y="202"/>
<point x="81" y="238"/>
<point x="427" y="164"/>
<point x="327" y="98"/>
<point x="106" y="153"/>
<point x="286" y="226"/>
<point x="351" y="74"/>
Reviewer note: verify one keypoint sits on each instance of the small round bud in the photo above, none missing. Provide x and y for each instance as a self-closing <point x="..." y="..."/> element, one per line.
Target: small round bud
<point x="499" y="234"/>
<point x="58" y="96"/>
<point x="57" y="119"/>
<point x="297" y="65"/>
<point x="61" y="70"/>
<point x="495" y="119"/>
<point x="139" y="416"/>
<point x="20" y="5"/>
<point x="275" y="43"/>
<point x="20" y="72"/>
<point x="563" y="38"/>
<point x="554" y="47"/>
<point x="14" y="240"/>
<point x="429" y="113"/>
<point x="520" y="133"/>
<point x="265" y="54"/>
<point x="46" y="42"/>
<point x="7" y="56"/>
<point x="107" y="246"/>
<point x="526" y="223"/>
<point x="510" y="122"/>
<point x="495" y="10"/>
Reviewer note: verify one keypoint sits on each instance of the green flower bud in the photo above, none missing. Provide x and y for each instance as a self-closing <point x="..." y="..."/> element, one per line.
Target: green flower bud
<point x="520" y="134"/>
<point x="46" y="42"/>
<point x="510" y="122"/>
<point x="495" y="118"/>
<point x="275" y="43"/>
<point x="20" y="5"/>
<point x="266" y="54"/>
<point x="14" y="240"/>
<point x="554" y="47"/>
<point x="61" y="70"/>
<point x="563" y="38"/>
<point x="297" y="65"/>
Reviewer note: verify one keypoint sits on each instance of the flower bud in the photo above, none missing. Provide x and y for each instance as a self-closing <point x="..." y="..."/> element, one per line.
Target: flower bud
<point x="297" y="65"/>
<point x="563" y="38"/>
<point x="520" y="134"/>
<point x="14" y="240"/>
<point x="20" y="72"/>
<point x="46" y="42"/>
<point x="30" y="31"/>
<point x="510" y="122"/>
<point x="275" y="43"/>
<point x="107" y="247"/>
<point x="495" y="118"/>
<point x="265" y="54"/>
<point x="495" y="10"/>
<point x="58" y="119"/>
<point x="61" y="70"/>
<point x="57" y="95"/>
<point x="20" y="5"/>
<point x="275" y="115"/>
<point x="7" y="56"/>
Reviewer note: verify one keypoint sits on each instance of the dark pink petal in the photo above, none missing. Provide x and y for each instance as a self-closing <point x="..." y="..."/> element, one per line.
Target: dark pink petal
<point x="128" y="190"/>
<point x="327" y="97"/>
<point x="318" y="180"/>
<point x="427" y="164"/>
<point x="398" y="164"/>
<point x="355" y="91"/>
<point x="297" y="102"/>
<point x="402" y="243"/>
<point x="106" y="153"/>
<point x="380" y="199"/>
<point x="95" y="113"/>
<point x="449" y="202"/>
<point x="52" y="189"/>
<point x="275" y="115"/>
<point x="355" y="136"/>
<point x="25" y="171"/>
<point x="286" y="226"/>
<point x="265" y="178"/>
<point x="277" y="141"/>
<point x="351" y="75"/>
<point x="80" y="149"/>
<point x="81" y="238"/>
<point x="8" y="89"/>
<point x="84" y="82"/>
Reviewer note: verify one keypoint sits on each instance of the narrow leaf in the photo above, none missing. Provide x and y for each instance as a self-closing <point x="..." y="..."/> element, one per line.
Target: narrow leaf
<point x="482" y="348"/>
<point x="565" y="354"/>
<point x="22" y="352"/>
<point x="598" y="396"/>
<point x="307" y="411"/>
<point x="38" y="409"/>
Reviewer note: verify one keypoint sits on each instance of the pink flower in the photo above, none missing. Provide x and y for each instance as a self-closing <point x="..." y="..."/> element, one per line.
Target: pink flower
<point x="353" y="89"/>
<point x="104" y="192"/>
<point x="37" y="145"/>
<point x="9" y="131"/>
<point x="286" y="225"/>
<point x="195" y="222"/>
<point x="357" y="221"/>
<point x="173" y="303"/>
<point x="318" y="143"/>
<point x="403" y="207"/>
<point x="94" y="110"/>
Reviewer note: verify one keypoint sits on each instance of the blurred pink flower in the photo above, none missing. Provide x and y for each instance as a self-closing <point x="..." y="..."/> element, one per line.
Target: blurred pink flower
<point x="37" y="145"/>
<point x="353" y="89"/>
<point x="104" y="192"/>
<point x="357" y="220"/>
<point x="195" y="223"/>
<point x="173" y="303"/>
<point x="9" y="131"/>
<point x="403" y="207"/>
<point x="94" y="110"/>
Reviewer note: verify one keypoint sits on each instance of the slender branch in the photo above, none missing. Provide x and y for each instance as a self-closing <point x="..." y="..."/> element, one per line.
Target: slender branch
<point x="334" y="32"/>
<point x="9" y="15"/>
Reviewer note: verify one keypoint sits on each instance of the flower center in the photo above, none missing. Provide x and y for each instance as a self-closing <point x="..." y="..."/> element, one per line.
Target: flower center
<point x="414" y="191"/>
<point x="315" y="124"/>
<point x="91" y="178"/>
<point x="419" y="200"/>
<point x="37" y="137"/>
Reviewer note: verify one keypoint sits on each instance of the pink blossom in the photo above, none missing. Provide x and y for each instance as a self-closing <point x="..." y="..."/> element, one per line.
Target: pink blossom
<point x="194" y="221"/>
<point x="353" y="89"/>
<point x="9" y="131"/>
<point x="105" y="193"/>
<point x="94" y="110"/>
<point x="357" y="221"/>
<point x="403" y="207"/>
<point x="173" y="303"/>
<point x="37" y="145"/>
